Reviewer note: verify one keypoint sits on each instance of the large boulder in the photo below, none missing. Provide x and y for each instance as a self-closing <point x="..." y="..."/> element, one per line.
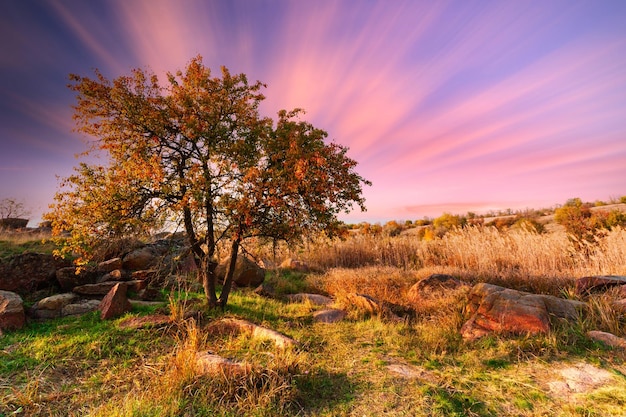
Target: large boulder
<point x="503" y="310"/>
<point x="12" y="314"/>
<point x="103" y="288"/>
<point x="115" y="303"/>
<point x="145" y="257"/>
<point x="247" y="272"/>
<point x="28" y="272"/>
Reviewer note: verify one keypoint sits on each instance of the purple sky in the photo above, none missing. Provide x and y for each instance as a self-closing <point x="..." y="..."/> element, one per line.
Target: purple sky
<point x="447" y="105"/>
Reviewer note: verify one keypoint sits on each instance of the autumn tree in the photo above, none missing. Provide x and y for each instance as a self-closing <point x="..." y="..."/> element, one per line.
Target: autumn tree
<point x="196" y="151"/>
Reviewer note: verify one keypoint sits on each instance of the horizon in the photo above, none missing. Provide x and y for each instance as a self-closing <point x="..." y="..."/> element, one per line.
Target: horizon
<point x="447" y="106"/>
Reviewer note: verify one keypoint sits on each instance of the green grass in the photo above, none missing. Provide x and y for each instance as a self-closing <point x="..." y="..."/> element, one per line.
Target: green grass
<point x="10" y="247"/>
<point x="86" y="366"/>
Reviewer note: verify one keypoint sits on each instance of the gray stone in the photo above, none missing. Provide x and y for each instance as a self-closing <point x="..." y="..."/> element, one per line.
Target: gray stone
<point x="80" y="308"/>
<point x="55" y="302"/>
<point x="329" y="316"/>
<point x="316" y="299"/>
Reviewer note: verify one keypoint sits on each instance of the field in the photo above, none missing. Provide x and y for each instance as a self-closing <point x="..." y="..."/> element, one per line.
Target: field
<point x="366" y="365"/>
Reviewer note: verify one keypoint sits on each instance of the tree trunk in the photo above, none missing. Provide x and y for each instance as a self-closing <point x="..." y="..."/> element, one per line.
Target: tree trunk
<point x="208" y="282"/>
<point x="228" y="280"/>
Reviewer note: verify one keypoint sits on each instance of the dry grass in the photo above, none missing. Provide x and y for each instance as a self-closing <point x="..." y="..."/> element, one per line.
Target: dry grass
<point x="543" y="263"/>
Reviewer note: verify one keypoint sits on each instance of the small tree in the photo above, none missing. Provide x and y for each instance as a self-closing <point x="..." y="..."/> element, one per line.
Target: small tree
<point x="197" y="152"/>
<point x="10" y="208"/>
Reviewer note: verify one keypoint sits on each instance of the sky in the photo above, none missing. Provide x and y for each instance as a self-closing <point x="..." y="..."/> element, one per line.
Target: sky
<point x="448" y="106"/>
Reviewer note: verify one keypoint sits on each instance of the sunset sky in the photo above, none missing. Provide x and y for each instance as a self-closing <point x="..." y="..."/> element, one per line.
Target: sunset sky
<point x="447" y="105"/>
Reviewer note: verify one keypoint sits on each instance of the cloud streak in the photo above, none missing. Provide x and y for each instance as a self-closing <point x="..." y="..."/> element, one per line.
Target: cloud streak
<point x="489" y="103"/>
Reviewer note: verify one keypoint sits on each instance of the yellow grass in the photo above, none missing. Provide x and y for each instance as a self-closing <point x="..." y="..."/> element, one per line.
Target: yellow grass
<point x="545" y="263"/>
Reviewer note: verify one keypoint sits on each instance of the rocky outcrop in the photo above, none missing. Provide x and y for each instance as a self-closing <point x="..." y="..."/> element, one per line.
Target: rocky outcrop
<point x="586" y="285"/>
<point x="115" y="303"/>
<point x="12" y="314"/>
<point x="28" y="272"/>
<point x="247" y="272"/>
<point x="503" y="310"/>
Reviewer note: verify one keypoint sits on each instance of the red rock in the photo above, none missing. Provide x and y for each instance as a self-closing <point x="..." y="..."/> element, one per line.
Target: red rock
<point x="115" y="303"/>
<point x="503" y="310"/>
<point x="586" y="285"/>
<point x="110" y="265"/>
<point x="12" y="314"/>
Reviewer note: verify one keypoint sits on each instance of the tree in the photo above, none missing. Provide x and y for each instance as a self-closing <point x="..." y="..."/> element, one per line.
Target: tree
<point x="197" y="152"/>
<point x="11" y="208"/>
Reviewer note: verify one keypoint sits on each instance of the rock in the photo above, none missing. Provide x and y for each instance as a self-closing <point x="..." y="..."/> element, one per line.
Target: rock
<point x="434" y="286"/>
<point x="149" y="294"/>
<point x="110" y="265"/>
<point x="207" y="363"/>
<point x="143" y="322"/>
<point x="265" y="290"/>
<point x="116" y="275"/>
<point x="295" y="265"/>
<point x="79" y="308"/>
<point x="316" y="299"/>
<point x="235" y="326"/>
<point x="247" y="273"/>
<point x="68" y="278"/>
<point x="115" y="303"/>
<point x="55" y="302"/>
<point x="607" y="338"/>
<point x="329" y="316"/>
<point x="145" y="257"/>
<point x="12" y="314"/>
<point x="28" y="272"/>
<point x="103" y="288"/>
<point x="586" y="285"/>
<point x="145" y="274"/>
<point x="503" y="310"/>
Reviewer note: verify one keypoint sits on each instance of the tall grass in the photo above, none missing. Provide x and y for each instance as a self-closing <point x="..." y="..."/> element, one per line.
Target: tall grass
<point x="546" y="263"/>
